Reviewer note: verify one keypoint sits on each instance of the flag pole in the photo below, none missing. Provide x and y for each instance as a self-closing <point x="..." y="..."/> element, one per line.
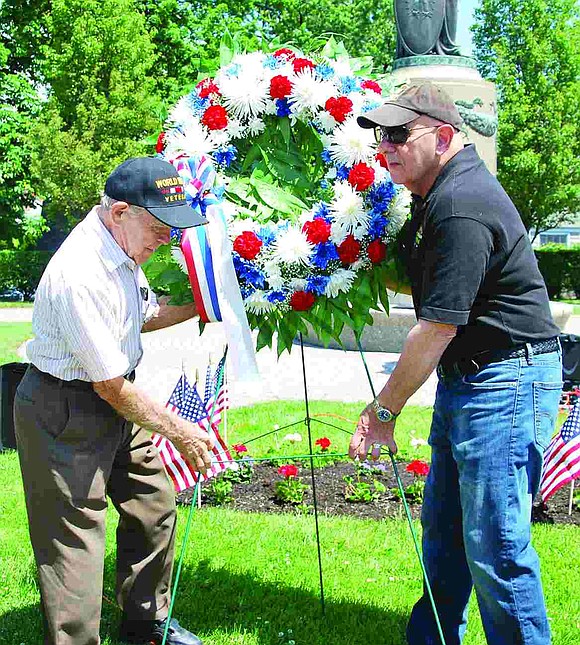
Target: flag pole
<point x="225" y="410"/>
<point x="571" y="500"/>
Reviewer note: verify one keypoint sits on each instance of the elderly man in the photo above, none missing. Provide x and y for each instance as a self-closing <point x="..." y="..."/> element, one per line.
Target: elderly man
<point x="484" y="323"/>
<point x="76" y="406"/>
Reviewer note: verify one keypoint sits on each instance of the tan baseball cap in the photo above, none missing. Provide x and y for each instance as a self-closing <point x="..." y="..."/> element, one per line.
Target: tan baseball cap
<point x="417" y="99"/>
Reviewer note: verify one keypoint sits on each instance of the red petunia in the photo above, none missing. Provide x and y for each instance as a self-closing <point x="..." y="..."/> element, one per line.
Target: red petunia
<point x="288" y="470"/>
<point x="300" y="64"/>
<point x="285" y="53"/>
<point x="371" y="85"/>
<point x="418" y="468"/>
<point x="207" y="87"/>
<point x="160" y="143"/>
<point x="361" y="176"/>
<point x="349" y="250"/>
<point x="377" y="251"/>
<point x="317" y="231"/>
<point x="338" y="108"/>
<point x="380" y="157"/>
<point x="280" y="87"/>
<point x="247" y="245"/>
<point x="302" y="300"/>
<point x="215" y="117"/>
<point x="323" y="442"/>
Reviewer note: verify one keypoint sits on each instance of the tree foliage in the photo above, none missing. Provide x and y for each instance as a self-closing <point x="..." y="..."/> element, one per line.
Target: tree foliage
<point x="529" y="48"/>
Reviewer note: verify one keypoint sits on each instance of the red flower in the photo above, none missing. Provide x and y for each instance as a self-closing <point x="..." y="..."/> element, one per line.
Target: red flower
<point x="206" y="87"/>
<point x="317" y="230"/>
<point x="239" y="448"/>
<point x="371" y="85"/>
<point x="349" y="250"/>
<point x="323" y="442"/>
<point x="215" y="117"/>
<point x="338" y="108"/>
<point x="302" y="300"/>
<point x="288" y="470"/>
<point x="377" y="251"/>
<point x="361" y="176"/>
<point x="380" y="157"/>
<point x="160" y="143"/>
<point x="285" y="53"/>
<point x="247" y="245"/>
<point x="280" y="87"/>
<point x="418" y="468"/>
<point x="302" y="63"/>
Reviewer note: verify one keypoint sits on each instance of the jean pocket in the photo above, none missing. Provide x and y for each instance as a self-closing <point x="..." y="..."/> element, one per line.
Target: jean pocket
<point x="493" y="376"/>
<point x="546" y="399"/>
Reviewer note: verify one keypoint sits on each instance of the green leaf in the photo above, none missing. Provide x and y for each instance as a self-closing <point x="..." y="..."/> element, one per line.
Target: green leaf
<point x="227" y="49"/>
<point x="276" y="198"/>
<point x="284" y="127"/>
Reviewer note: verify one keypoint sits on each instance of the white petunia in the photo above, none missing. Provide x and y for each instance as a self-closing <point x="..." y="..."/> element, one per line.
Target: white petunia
<point x="347" y="208"/>
<point x="350" y="144"/>
<point x="309" y="93"/>
<point x="292" y="246"/>
<point x="177" y="255"/>
<point x="340" y="282"/>
<point x="257" y="303"/>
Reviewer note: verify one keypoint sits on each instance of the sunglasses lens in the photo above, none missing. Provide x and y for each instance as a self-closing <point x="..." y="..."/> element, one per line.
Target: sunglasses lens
<point x="398" y="135"/>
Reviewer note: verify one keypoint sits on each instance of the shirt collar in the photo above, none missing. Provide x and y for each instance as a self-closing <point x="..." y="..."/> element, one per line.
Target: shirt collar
<point x="111" y="253"/>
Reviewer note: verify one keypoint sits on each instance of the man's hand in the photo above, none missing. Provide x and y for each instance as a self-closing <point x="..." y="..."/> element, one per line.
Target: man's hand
<point x="370" y="434"/>
<point x="195" y="445"/>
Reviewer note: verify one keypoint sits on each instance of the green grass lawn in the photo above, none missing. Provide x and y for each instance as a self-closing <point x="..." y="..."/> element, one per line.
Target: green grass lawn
<point x="12" y="335"/>
<point x="248" y="577"/>
<point x="13" y="305"/>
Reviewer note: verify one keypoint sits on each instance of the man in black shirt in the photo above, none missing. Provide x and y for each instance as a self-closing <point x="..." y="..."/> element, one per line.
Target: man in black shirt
<point x="484" y="323"/>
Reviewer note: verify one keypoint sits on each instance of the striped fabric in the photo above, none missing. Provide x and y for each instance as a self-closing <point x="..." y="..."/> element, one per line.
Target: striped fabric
<point x="89" y="308"/>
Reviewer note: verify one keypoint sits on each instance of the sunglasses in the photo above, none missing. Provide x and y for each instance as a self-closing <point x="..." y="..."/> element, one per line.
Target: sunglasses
<point x="397" y="135"/>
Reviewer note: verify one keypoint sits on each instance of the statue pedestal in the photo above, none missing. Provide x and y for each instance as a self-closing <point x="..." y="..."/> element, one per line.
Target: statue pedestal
<point x="460" y="78"/>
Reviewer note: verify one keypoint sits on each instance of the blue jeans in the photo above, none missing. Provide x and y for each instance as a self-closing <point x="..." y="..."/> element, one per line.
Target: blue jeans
<point x="488" y="436"/>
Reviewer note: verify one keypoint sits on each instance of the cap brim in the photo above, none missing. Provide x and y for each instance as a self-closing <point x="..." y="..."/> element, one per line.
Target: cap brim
<point x="178" y="216"/>
<point x="388" y="115"/>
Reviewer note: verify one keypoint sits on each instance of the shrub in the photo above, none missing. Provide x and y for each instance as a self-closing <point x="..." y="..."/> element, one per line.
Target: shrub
<point x="22" y="270"/>
<point x="560" y="267"/>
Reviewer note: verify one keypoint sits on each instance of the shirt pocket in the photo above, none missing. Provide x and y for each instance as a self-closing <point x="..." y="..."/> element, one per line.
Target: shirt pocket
<point x="546" y="399"/>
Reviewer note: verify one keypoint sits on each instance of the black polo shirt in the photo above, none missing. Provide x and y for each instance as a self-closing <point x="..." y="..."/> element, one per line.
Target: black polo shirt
<point x="471" y="263"/>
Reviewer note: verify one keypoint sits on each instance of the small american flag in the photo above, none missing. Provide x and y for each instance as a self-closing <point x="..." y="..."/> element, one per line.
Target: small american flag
<point x="562" y="456"/>
<point x="188" y="404"/>
<point x="216" y="390"/>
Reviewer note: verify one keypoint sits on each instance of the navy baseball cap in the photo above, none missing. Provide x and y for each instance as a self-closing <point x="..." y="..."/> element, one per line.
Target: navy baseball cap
<point x="154" y="184"/>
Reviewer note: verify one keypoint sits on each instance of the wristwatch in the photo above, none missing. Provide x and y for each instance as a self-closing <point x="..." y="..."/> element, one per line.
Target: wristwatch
<point x="383" y="414"/>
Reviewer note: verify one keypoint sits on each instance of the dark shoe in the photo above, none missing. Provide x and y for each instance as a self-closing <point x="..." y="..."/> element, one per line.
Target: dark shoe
<point x="150" y="632"/>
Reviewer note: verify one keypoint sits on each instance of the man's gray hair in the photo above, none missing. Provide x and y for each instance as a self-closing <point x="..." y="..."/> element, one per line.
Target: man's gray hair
<point x="108" y="202"/>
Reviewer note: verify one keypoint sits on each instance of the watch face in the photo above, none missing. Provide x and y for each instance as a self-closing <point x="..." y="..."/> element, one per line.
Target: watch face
<point x="384" y="415"/>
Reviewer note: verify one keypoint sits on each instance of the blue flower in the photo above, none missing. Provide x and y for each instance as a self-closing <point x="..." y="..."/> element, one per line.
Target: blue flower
<point x="197" y="104"/>
<point x="324" y="184"/>
<point x="226" y="155"/>
<point x="370" y="106"/>
<point x="175" y="235"/>
<point x="322" y="211"/>
<point x="271" y="62"/>
<point x="267" y="235"/>
<point x="282" y="107"/>
<point x="317" y="284"/>
<point x="325" y="156"/>
<point x="323" y="254"/>
<point x="248" y="272"/>
<point x="275" y="296"/>
<point x="324" y="71"/>
<point x="349" y="84"/>
<point x="380" y="196"/>
<point x="232" y="70"/>
<point x="377" y="226"/>
<point x="342" y="172"/>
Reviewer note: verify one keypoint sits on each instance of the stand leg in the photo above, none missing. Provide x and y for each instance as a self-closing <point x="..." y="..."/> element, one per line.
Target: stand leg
<point x="312" y="476"/>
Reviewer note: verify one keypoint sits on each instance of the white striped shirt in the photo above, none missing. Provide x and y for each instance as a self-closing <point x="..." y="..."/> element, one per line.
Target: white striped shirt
<point x="89" y="308"/>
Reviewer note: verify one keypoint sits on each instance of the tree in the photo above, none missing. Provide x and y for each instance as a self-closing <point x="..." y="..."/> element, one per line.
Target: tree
<point x="529" y="49"/>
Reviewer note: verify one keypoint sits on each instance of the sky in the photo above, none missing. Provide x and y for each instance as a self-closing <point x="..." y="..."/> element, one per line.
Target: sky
<point x="464" y="22"/>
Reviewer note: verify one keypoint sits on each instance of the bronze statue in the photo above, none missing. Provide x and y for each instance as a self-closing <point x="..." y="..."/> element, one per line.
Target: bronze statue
<point x="426" y="27"/>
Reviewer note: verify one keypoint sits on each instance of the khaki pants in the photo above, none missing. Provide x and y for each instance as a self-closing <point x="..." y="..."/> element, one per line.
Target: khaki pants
<point x="74" y="451"/>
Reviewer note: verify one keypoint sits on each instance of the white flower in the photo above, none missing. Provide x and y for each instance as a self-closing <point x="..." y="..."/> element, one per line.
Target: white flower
<point x="326" y="121"/>
<point x="271" y="107"/>
<point x="238" y="226"/>
<point x="256" y="126"/>
<point x="415" y="442"/>
<point x="192" y="141"/>
<point x="257" y="303"/>
<point x="331" y="173"/>
<point x="350" y="144"/>
<point x="340" y="281"/>
<point x="235" y="129"/>
<point x="177" y="255"/>
<point x="358" y="102"/>
<point x="273" y="275"/>
<point x="399" y="210"/>
<point x="308" y="92"/>
<point x="349" y="213"/>
<point x="381" y="174"/>
<point x="244" y="95"/>
<point x="298" y="284"/>
<point x="296" y="437"/>
<point x="292" y="246"/>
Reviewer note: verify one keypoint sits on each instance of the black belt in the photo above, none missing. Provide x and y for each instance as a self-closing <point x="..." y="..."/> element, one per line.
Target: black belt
<point x="75" y="383"/>
<point x="472" y="365"/>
